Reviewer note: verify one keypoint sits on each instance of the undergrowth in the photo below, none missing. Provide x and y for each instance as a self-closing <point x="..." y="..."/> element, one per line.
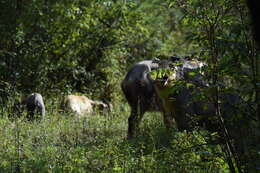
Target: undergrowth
<point x="97" y="143"/>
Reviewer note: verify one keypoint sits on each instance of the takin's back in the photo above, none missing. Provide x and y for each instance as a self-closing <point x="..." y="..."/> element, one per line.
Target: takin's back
<point x="78" y="104"/>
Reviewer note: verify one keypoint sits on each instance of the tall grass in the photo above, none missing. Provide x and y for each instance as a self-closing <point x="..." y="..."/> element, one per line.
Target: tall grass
<point x="97" y="143"/>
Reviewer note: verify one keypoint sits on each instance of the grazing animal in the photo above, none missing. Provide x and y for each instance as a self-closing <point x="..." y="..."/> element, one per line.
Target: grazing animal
<point x="33" y="102"/>
<point x="184" y="104"/>
<point x="81" y="104"/>
<point x="139" y="92"/>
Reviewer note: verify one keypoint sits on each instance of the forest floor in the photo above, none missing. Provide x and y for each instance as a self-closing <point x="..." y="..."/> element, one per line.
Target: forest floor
<point x="97" y="143"/>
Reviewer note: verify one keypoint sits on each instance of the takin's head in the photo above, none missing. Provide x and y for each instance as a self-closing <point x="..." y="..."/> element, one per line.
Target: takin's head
<point x="101" y="106"/>
<point x="32" y="103"/>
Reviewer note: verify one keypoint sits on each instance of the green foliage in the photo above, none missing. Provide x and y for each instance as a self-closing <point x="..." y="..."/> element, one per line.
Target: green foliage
<point x="81" y="46"/>
<point x="222" y="34"/>
<point x="161" y="73"/>
<point x="86" y="46"/>
<point x="97" y="144"/>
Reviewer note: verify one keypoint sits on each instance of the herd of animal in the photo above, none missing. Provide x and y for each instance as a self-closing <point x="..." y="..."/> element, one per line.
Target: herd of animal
<point x="35" y="106"/>
<point x="144" y="94"/>
<point x="185" y="102"/>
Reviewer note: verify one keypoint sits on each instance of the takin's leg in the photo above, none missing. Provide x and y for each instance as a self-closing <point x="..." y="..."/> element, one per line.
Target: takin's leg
<point x="132" y="122"/>
<point x="30" y="114"/>
<point x="136" y="116"/>
<point x="40" y="112"/>
<point x="133" y="103"/>
<point x="168" y="121"/>
<point x="168" y="114"/>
